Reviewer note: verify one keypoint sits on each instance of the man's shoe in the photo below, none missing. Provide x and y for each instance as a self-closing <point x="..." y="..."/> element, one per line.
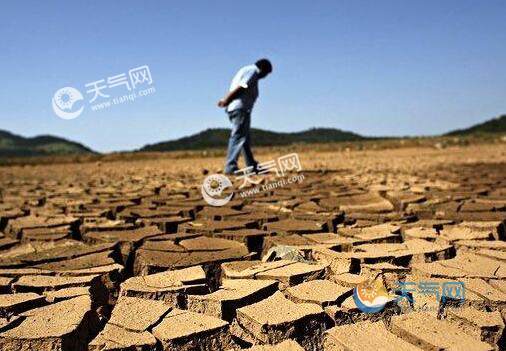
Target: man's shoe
<point x="255" y="168"/>
<point x="231" y="172"/>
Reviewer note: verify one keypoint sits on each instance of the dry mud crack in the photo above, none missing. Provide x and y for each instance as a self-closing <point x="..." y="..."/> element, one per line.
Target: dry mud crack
<point x="127" y="256"/>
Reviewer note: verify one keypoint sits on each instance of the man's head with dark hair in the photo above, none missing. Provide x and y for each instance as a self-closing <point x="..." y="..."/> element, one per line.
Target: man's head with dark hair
<point x="264" y="66"/>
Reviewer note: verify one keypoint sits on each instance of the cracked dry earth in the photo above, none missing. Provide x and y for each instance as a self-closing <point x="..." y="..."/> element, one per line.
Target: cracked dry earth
<point x="127" y="256"/>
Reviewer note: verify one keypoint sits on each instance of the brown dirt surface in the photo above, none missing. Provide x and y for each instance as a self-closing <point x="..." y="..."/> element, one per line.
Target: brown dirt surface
<point x="125" y="254"/>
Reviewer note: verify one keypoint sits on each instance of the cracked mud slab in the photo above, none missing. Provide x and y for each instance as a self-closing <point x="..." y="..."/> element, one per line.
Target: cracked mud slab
<point x="128" y="256"/>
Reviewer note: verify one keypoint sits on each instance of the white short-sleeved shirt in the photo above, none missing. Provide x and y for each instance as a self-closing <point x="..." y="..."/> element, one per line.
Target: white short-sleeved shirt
<point x="246" y="77"/>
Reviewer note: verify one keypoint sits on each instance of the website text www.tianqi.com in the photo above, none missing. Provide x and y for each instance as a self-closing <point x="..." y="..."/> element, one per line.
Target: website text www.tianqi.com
<point x="299" y="178"/>
<point x="123" y="99"/>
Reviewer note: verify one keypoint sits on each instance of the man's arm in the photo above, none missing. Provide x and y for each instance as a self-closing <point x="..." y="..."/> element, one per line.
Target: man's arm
<point x="230" y="97"/>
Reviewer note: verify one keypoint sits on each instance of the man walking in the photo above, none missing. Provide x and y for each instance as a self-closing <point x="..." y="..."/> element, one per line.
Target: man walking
<point x="238" y="104"/>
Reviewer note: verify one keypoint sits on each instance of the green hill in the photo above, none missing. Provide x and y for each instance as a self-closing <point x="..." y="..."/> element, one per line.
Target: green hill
<point x="495" y="125"/>
<point x="213" y="138"/>
<point x="12" y="145"/>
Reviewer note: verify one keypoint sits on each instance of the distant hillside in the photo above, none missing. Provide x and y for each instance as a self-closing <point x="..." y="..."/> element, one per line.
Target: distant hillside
<point x="495" y="125"/>
<point x="211" y="138"/>
<point x="12" y="145"/>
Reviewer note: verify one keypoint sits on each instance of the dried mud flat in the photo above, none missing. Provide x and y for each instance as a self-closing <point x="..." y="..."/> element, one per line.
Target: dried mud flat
<point x="127" y="255"/>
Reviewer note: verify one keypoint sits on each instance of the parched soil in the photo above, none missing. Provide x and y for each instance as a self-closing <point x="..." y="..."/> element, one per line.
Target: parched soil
<point x="126" y="255"/>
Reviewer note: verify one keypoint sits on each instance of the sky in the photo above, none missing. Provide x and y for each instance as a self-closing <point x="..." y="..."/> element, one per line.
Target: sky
<point x="372" y="67"/>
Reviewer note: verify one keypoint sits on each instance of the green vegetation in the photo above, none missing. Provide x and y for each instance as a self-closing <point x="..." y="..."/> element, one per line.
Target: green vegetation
<point x="212" y="138"/>
<point x="12" y="145"/>
<point x="495" y="125"/>
<point x="15" y="148"/>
